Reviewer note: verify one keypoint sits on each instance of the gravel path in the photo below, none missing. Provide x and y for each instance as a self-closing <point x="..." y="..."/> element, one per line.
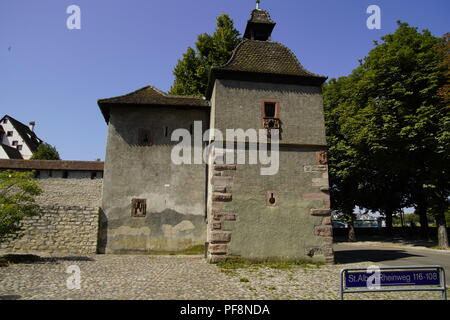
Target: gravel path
<point x="174" y="277"/>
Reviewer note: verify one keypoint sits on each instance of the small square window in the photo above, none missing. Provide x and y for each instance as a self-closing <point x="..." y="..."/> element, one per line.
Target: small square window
<point x="5" y="121"/>
<point x="138" y="207"/>
<point x="270" y="109"/>
<point x="15" y="143"/>
<point x="19" y="147"/>
<point x="9" y="134"/>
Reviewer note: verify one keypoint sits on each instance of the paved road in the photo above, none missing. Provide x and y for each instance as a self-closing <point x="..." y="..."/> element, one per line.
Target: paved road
<point x="391" y="255"/>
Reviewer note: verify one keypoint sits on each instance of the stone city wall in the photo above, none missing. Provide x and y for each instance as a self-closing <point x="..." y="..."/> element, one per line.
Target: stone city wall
<point x="58" y="229"/>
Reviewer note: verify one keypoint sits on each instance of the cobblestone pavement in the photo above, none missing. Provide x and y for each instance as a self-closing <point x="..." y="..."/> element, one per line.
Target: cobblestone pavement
<point x="174" y="277"/>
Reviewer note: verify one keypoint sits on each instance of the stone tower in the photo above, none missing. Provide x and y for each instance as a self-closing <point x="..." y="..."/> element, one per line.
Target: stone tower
<point x="150" y="203"/>
<point x="284" y="216"/>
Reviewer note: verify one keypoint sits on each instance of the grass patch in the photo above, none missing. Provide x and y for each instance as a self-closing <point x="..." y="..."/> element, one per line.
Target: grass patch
<point x="244" y="280"/>
<point x="440" y="248"/>
<point x="228" y="272"/>
<point x="239" y="263"/>
<point x="195" y="250"/>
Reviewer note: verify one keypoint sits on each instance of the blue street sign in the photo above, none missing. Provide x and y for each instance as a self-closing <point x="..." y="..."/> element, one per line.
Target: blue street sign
<point x="394" y="278"/>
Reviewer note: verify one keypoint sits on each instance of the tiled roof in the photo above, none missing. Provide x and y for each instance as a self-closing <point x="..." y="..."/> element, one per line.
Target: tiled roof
<point x="264" y="61"/>
<point x="52" y="165"/>
<point x="12" y="153"/>
<point x="150" y="96"/>
<point x="28" y="136"/>
<point x="265" y="57"/>
<point x="261" y="16"/>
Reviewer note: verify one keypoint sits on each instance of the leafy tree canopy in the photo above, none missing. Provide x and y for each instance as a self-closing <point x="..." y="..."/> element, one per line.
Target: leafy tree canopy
<point x="45" y="152"/>
<point x="191" y="72"/>
<point x="17" y="192"/>
<point x="387" y="126"/>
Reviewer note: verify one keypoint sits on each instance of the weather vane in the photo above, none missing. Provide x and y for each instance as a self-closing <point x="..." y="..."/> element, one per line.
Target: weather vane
<point x="257" y="4"/>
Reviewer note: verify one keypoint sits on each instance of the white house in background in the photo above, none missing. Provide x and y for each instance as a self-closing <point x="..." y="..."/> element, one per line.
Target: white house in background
<point x="17" y="141"/>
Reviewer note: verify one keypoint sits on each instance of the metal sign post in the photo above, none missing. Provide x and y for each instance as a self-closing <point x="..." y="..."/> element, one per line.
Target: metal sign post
<point x="409" y="278"/>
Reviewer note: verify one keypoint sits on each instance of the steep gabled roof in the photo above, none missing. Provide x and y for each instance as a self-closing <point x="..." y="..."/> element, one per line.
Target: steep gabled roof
<point x="150" y="96"/>
<point x="263" y="61"/>
<point x="28" y="136"/>
<point x="12" y="153"/>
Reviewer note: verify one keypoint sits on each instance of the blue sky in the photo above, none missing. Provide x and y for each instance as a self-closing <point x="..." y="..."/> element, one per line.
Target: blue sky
<point x="55" y="76"/>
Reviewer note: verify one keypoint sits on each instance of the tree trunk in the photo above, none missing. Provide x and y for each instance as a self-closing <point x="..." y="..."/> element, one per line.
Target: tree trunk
<point x="442" y="230"/>
<point x="422" y="212"/>
<point x="351" y="232"/>
<point x="388" y="215"/>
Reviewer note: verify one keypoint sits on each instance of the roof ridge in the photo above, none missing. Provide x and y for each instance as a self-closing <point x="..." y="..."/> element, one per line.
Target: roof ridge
<point x="26" y="134"/>
<point x="158" y="91"/>
<point x="233" y="55"/>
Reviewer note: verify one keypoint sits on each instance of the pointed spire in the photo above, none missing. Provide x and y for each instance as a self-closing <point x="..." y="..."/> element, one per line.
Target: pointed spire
<point x="257" y="4"/>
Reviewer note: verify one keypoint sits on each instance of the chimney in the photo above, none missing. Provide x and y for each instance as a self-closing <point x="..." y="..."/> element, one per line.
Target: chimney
<point x="32" y="124"/>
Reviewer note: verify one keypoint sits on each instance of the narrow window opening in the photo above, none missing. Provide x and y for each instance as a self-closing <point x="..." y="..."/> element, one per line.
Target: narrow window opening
<point x="272" y="198"/>
<point x="166" y="131"/>
<point x="9" y="134"/>
<point x="65" y="174"/>
<point x="270" y="109"/>
<point x="138" y="207"/>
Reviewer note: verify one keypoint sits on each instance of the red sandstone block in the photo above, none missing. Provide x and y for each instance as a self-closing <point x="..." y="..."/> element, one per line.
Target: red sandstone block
<point x="223" y="167"/>
<point x="215" y="258"/>
<point x="222" y="197"/>
<point x="326" y="221"/>
<point x="220" y="236"/>
<point x="222" y="180"/>
<point x="316" y="195"/>
<point x="320" y="212"/>
<point x="323" y="231"/>
<point x="218" y="248"/>
<point x="226" y="216"/>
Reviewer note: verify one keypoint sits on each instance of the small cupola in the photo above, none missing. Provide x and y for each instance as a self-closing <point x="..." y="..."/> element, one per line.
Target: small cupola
<point x="260" y="25"/>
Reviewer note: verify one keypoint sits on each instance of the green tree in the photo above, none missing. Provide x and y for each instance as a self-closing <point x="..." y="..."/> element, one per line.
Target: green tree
<point x="45" y="152"/>
<point x="388" y="129"/>
<point x="192" y="71"/>
<point x="17" y="192"/>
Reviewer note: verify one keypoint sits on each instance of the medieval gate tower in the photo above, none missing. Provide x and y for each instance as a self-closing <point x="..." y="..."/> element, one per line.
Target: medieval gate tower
<point x="152" y="204"/>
